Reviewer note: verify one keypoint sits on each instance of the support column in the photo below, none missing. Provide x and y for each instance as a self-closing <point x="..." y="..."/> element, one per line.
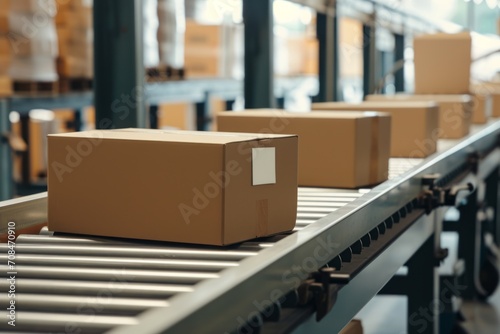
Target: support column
<point x="423" y="287"/>
<point x="118" y="64"/>
<point x="259" y="69"/>
<point x="467" y="243"/>
<point x="399" y="50"/>
<point x="6" y="178"/>
<point x="368" y="58"/>
<point x="327" y="34"/>
<point x="203" y="113"/>
<point x="493" y="200"/>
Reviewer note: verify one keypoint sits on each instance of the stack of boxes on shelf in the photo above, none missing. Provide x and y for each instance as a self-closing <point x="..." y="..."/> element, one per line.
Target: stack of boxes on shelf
<point x="170" y="35"/>
<point x="296" y="54"/>
<point x="150" y="40"/>
<point x="5" y="52"/>
<point x="33" y="42"/>
<point x="76" y="51"/>
<point x="213" y="50"/>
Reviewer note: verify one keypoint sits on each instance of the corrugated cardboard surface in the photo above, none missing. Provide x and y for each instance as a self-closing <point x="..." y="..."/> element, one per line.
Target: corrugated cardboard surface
<point x="169" y="186"/>
<point x="455" y="111"/>
<point x="495" y="104"/>
<point x="179" y="116"/>
<point x="345" y="150"/>
<point x="414" y="129"/>
<point x="491" y="89"/>
<point x="442" y="63"/>
<point x="482" y="108"/>
<point x="5" y="86"/>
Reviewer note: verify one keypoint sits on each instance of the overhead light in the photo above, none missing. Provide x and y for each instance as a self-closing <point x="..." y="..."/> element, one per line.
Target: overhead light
<point x="492" y="3"/>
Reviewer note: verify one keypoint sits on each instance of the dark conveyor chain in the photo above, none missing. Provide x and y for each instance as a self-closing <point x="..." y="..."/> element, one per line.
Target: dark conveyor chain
<point x="95" y="284"/>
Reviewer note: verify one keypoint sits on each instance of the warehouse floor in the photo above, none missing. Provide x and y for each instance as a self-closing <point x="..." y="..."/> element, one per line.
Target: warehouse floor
<point x="483" y="318"/>
<point x="388" y="314"/>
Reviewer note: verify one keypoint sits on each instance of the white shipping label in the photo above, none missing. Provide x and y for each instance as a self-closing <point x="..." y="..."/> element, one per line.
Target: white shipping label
<point x="263" y="165"/>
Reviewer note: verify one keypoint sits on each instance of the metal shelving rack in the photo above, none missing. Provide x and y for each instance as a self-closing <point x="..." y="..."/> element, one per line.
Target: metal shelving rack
<point x="118" y="31"/>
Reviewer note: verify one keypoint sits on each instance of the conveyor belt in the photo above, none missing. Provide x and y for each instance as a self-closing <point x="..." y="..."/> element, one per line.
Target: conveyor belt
<point x="67" y="277"/>
<point x="96" y="284"/>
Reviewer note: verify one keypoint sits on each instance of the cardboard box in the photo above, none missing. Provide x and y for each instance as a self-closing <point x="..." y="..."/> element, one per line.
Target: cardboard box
<point x="311" y="56"/>
<point x="495" y="105"/>
<point x="203" y="35"/>
<point x="5" y="86"/>
<point x="203" y="64"/>
<point x="482" y="108"/>
<point x="180" y="116"/>
<point x="5" y="8"/>
<point x="4" y="24"/>
<point x="75" y="17"/>
<point x="73" y="67"/>
<point x="4" y="65"/>
<point x="72" y="36"/>
<point x="455" y="111"/>
<point x="414" y="130"/>
<point x="301" y="56"/>
<point x="5" y="48"/>
<point x="442" y="63"/>
<point x="353" y="327"/>
<point x="179" y="186"/>
<point x="46" y="7"/>
<point x="209" y="50"/>
<point x="336" y="149"/>
<point x="491" y="89"/>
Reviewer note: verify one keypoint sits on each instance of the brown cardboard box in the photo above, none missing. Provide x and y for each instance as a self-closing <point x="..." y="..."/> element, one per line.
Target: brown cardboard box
<point x="336" y="149"/>
<point x="76" y="17"/>
<point x="351" y="41"/>
<point x="482" y="108"/>
<point x="63" y="15"/>
<point x="74" y="67"/>
<point x="4" y="65"/>
<point x="5" y="86"/>
<point x="442" y="63"/>
<point x="5" y="48"/>
<point x="455" y="111"/>
<point x="414" y="130"/>
<point x="353" y="327"/>
<point x="48" y="8"/>
<point x="209" y="49"/>
<point x="179" y="186"/>
<point x="491" y="89"/>
<point x="4" y="24"/>
<point x="495" y="104"/>
<point x="302" y="55"/>
<point x="5" y="8"/>
<point x="180" y="116"/>
<point x="202" y="35"/>
<point x="202" y="64"/>
<point x="311" y="55"/>
<point x="67" y="35"/>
